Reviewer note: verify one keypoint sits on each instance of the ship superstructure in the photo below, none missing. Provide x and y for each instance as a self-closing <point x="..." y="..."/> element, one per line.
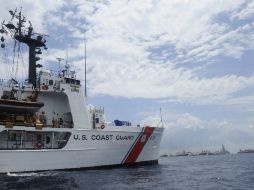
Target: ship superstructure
<point x="45" y="123"/>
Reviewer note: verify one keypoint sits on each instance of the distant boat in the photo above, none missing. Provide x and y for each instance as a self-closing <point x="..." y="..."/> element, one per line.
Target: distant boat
<point x="205" y="152"/>
<point x="222" y="151"/>
<point x="246" y="151"/>
<point x="183" y="153"/>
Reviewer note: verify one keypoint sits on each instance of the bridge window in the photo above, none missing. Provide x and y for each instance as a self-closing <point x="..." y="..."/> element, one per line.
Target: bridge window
<point x="51" y="82"/>
<point x="67" y="81"/>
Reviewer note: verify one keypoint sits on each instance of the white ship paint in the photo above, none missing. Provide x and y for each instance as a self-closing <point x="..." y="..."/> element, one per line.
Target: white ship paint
<point x="81" y="153"/>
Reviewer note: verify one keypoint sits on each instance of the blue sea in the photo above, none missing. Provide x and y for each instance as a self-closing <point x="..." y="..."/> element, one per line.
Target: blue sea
<point x="200" y="172"/>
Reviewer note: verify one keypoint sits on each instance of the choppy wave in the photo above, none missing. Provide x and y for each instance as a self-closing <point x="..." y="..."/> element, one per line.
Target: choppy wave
<point x="178" y="173"/>
<point x="31" y="174"/>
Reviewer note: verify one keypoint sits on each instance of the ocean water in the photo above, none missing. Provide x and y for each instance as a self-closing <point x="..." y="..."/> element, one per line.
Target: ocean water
<point x="199" y="172"/>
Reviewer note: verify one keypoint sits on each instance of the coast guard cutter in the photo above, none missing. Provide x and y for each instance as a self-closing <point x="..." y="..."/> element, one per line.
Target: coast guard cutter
<point x="45" y="123"/>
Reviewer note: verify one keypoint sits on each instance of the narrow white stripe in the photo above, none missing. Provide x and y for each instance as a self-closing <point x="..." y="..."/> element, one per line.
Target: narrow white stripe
<point x="45" y="150"/>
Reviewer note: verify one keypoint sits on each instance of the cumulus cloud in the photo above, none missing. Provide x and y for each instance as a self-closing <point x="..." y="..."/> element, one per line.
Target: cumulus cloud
<point x="160" y="81"/>
<point x="138" y="49"/>
<point x="244" y="12"/>
<point x="34" y="11"/>
<point x="125" y="38"/>
<point x="184" y="131"/>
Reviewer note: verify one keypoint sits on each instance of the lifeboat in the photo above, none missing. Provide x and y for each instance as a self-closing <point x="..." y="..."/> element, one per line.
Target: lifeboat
<point x="19" y="105"/>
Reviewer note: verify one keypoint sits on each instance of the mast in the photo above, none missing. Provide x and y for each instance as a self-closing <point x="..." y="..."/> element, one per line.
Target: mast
<point x="85" y="69"/>
<point x="34" y="41"/>
<point x="161" y="118"/>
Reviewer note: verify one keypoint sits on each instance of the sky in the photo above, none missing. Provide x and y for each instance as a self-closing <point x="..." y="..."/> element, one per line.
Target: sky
<point x="192" y="59"/>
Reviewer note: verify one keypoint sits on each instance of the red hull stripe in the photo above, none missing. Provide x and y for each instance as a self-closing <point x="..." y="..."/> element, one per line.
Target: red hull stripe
<point x="138" y="145"/>
<point x="133" y="145"/>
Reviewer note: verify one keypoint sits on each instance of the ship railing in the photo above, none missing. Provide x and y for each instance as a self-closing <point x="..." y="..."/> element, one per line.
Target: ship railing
<point x="96" y="109"/>
<point x="22" y="124"/>
<point x="113" y="124"/>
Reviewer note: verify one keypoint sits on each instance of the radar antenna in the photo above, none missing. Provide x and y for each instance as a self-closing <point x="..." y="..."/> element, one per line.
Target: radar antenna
<point x="25" y="35"/>
<point x="59" y="64"/>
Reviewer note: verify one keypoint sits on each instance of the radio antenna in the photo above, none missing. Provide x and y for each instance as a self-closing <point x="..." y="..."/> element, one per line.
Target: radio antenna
<point x="85" y="67"/>
<point x="66" y="56"/>
<point x="161" y="118"/>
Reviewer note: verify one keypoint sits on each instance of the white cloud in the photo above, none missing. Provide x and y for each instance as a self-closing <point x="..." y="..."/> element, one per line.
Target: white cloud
<point x="162" y="81"/>
<point x="245" y="12"/>
<point x="121" y="33"/>
<point x="189" y="121"/>
<point x="34" y="11"/>
<point x="121" y="37"/>
<point x="191" y="133"/>
<point x="13" y="67"/>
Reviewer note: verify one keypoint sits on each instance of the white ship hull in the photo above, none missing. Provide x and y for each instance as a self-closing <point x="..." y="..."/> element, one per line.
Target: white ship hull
<point x="88" y="148"/>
